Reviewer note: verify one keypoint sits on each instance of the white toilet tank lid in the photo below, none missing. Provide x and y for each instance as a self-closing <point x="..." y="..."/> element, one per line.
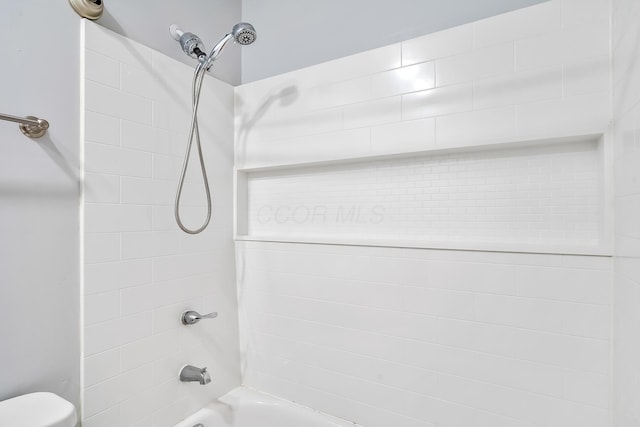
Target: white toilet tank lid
<point x="37" y="410"/>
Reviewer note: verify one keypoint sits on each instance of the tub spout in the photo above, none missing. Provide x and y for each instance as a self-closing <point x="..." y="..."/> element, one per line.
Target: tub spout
<point x="191" y="374"/>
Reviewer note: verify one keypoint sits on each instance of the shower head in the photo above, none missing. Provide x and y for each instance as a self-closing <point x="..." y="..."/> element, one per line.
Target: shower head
<point x="244" y="33"/>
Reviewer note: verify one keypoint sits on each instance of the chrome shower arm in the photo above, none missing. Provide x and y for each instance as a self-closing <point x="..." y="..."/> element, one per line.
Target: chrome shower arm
<point x="217" y="50"/>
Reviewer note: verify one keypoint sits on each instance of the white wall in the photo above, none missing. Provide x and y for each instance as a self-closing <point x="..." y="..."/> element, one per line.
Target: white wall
<point x="39" y="188"/>
<point x="148" y="21"/>
<point x="388" y="336"/>
<point x="294" y="34"/>
<point x="140" y="271"/>
<point x="626" y="66"/>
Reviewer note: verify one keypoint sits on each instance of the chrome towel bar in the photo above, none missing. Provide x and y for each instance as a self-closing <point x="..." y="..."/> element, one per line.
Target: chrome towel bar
<point x="32" y="127"/>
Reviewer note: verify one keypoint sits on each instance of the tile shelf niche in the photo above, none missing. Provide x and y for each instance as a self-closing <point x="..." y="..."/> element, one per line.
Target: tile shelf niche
<point x="543" y="196"/>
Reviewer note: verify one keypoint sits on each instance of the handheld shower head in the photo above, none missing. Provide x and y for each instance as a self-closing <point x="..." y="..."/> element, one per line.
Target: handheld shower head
<point x="244" y="33"/>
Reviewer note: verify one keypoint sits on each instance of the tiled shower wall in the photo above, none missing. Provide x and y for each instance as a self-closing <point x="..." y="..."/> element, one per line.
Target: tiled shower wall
<point x="539" y="72"/>
<point x="140" y="271"/>
<point x="420" y="337"/>
<point x="626" y="79"/>
<point x="389" y="336"/>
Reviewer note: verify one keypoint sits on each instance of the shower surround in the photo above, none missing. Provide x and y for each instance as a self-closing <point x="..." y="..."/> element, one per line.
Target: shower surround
<point x="366" y="315"/>
<point x="140" y="271"/>
<point x="381" y="329"/>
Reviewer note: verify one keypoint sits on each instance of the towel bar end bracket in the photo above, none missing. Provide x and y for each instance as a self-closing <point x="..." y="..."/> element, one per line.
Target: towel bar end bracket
<point x="34" y="130"/>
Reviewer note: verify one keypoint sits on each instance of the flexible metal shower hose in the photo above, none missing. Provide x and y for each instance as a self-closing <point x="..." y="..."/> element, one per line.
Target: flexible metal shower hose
<point x="194" y="132"/>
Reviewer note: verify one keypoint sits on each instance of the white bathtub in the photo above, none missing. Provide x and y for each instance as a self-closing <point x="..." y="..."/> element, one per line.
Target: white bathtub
<point x="243" y="407"/>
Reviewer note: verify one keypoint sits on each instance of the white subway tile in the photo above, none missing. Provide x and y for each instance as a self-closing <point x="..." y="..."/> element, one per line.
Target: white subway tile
<point x="476" y="127"/>
<point x="101" y="337"/>
<point x="437" y="45"/>
<point x="438" y="303"/>
<point x="479" y="63"/>
<point x="133" y="328"/>
<point x="101" y="128"/>
<point x="578" y="115"/>
<point x="106" y="42"/>
<point x="213" y="238"/>
<point x="179" y="266"/>
<point x="319" y="147"/>
<point x="101" y="188"/>
<point x="136" y="191"/>
<point x="147" y="297"/>
<point x="106" y="159"/>
<point x="101" y="247"/>
<point x="544" y="315"/>
<point x="372" y="113"/>
<point x="336" y="94"/>
<point x="570" y="46"/>
<point x="102" y="69"/>
<point x="438" y="102"/>
<point x="193" y="192"/>
<point x="165" y="368"/>
<point x="101" y="367"/>
<point x="361" y="64"/>
<point x="579" y="12"/>
<point x="102" y="396"/>
<point x="539" y="19"/>
<point x="406" y="136"/>
<point x="166" y="167"/>
<point x="626" y="215"/>
<point x="115" y="218"/>
<point x="138" y="81"/>
<point x="112" y="102"/>
<point x="145" y="138"/>
<point x="576" y="285"/>
<point x="101" y="307"/>
<point x="569" y="413"/>
<point x="565" y="351"/>
<point x="587" y="76"/>
<point x="474" y="277"/>
<point x="172" y="413"/>
<point x="161" y="117"/>
<point x="518" y="88"/>
<point x="407" y="79"/>
<point x="168" y="317"/>
<point x="590" y="389"/>
<point x="116" y="275"/>
<point x="108" y="418"/>
<point x="131" y="410"/>
<point x="147" y="350"/>
<point x="522" y="406"/>
<point x="149" y="244"/>
<point x="301" y="124"/>
<point x="115" y="390"/>
<point x="137" y="410"/>
<point x="163" y="218"/>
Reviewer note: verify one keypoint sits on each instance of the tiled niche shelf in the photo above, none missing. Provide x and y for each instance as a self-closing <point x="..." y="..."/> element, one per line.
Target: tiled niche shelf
<point x="547" y="196"/>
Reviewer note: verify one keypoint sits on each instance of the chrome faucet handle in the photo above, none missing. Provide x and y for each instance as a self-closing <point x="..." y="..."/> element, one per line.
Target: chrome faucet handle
<point x="192" y="317"/>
